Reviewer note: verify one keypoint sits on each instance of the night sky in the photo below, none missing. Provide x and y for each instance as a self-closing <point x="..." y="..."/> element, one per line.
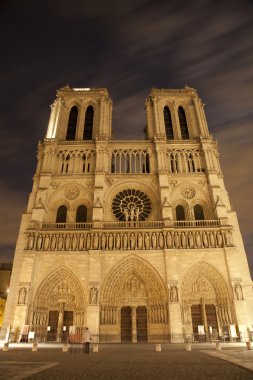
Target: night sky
<point x="127" y="47"/>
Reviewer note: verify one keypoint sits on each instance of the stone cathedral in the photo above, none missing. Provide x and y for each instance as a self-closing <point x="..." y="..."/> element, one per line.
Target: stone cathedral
<point x="135" y="239"/>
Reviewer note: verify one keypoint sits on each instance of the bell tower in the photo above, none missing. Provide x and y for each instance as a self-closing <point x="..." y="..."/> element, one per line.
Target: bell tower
<point x="80" y="114"/>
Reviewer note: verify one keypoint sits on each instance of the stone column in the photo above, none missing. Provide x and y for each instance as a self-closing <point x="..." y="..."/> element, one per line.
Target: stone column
<point x="134" y="325"/>
<point x="60" y="324"/>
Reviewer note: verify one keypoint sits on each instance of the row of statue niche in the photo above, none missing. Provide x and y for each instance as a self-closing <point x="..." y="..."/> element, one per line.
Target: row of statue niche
<point x="22" y="295"/>
<point x="131" y="213"/>
<point x="158" y="314"/>
<point x="108" y="315"/>
<point x="134" y="240"/>
<point x="224" y="315"/>
<point x="93" y="295"/>
<point x="40" y="319"/>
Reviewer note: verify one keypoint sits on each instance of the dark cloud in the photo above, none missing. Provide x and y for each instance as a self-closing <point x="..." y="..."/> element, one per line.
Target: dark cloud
<point x="128" y="47"/>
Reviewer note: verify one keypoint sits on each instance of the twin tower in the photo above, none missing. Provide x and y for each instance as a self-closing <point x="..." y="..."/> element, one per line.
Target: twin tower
<point x="135" y="239"/>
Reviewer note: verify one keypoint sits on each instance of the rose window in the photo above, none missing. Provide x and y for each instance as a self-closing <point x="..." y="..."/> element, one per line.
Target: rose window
<point x="131" y="205"/>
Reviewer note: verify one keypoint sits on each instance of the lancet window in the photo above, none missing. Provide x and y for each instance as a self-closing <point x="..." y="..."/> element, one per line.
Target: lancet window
<point x="61" y="215"/>
<point x="88" y="123"/>
<point x="199" y="212"/>
<point x="168" y="123"/>
<point x="71" y="131"/>
<point x="81" y="214"/>
<point x="183" y="123"/>
<point x="185" y="161"/>
<point x="77" y="161"/>
<point x="130" y="161"/>
<point x="180" y="212"/>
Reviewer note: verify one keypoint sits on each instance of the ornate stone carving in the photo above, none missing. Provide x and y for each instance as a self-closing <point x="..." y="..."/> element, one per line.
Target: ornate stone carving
<point x="93" y="295"/>
<point x="72" y="192"/>
<point x="238" y="292"/>
<point x="173" y="294"/>
<point x="188" y="192"/>
<point x="127" y="240"/>
<point x="22" y="296"/>
<point x="131" y="205"/>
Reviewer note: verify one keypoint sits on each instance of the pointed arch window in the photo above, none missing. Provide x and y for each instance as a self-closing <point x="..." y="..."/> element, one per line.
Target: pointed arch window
<point x="180" y="213"/>
<point x="183" y="123"/>
<point x="81" y="214"/>
<point x="61" y="216"/>
<point x="88" y="123"/>
<point x="71" y="132"/>
<point x="199" y="213"/>
<point x="168" y="124"/>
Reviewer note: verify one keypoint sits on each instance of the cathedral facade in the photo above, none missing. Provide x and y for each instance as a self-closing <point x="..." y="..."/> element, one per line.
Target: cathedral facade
<point x="135" y="239"/>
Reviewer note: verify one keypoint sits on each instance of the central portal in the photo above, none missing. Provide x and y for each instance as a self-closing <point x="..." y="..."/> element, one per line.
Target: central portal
<point x="134" y="326"/>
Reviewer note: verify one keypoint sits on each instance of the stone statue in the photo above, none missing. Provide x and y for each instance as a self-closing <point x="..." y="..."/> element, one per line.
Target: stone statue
<point x="126" y="213"/>
<point x="198" y="240"/>
<point x="146" y="239"/>
<point x="30" y="241"/>
<point x="81" y="242"/>
<point x="132" y="241"/>
<point x="154" y="242"/>
<point x="139" y="240"/>
<point x="183" y="240"/>
<point x="22" y="296"/>
<point x="238" y="291"/>
<point x="67" y="242"/>
<point x="228" y="237"/>
<point x="132" y="213"/>
<point x="118" y="241"/>
<point x="110" y="243"/>
<point x="93" y="295"/>
<point x="169" y="240"/>
<point x="103" y="241"/>
<point x="39" y="242"/>
<point x="125" y="241"/>
<point x="212" y="239"/>
<point x="161" y="241"/>
<point x="173" y="294"/>
<point x="74" y="242"/>
<point x="191" y="240"/>
<point x="137" y="213"/>
<point x="60" y="243"/>
<point x="53" y="242"/>
<point x="88" y="242"/>
<point x="219" y="239"/>
<point x="205" y="240"/>
<point x="95" y="243"/>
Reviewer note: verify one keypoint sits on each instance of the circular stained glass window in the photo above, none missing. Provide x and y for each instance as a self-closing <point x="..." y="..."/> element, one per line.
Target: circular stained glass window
<point x="131" y="205"/>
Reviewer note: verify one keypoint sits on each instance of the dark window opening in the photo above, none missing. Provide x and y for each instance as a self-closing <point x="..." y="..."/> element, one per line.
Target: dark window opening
<point x="88" y="123"/>
<point x="180" y="214"/>
<point x="183" y="123"/>
<point x="199" y="212"/>
<point x="71" y="132"/>
<point x="61" y="216"/>
<point x="81" y="214"/>
<point x="168" y="124"/>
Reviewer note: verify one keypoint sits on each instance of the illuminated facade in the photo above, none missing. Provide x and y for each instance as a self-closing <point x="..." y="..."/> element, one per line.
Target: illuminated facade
<point x="135" y="239"/>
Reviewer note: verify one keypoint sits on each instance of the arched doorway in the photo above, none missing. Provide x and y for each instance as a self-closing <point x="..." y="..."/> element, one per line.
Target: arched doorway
<point x="206" y="305"/>
<point x="59" y="303"/>
<point x="133" y="303"/>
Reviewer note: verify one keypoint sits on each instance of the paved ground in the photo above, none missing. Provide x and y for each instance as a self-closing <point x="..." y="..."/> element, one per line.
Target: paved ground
<point x="126" y="362"/>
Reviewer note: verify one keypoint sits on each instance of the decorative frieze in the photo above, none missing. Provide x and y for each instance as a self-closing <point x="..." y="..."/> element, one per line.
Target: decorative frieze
<point x="82" y="241"/>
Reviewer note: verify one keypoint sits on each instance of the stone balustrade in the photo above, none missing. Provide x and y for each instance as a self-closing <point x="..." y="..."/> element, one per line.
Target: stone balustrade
<point x="134" y="224"/>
